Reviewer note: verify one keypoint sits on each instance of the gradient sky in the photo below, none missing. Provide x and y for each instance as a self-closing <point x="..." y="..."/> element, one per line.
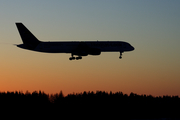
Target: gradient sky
<point x="151" y="26"/>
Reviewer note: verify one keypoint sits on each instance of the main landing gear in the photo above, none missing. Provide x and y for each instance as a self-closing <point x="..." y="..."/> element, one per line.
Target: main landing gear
<point x="77" y="58"/>
<point x="120" y="55"/>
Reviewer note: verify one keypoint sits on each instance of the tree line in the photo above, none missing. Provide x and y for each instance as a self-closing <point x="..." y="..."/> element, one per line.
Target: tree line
<point x="99" y="103"/>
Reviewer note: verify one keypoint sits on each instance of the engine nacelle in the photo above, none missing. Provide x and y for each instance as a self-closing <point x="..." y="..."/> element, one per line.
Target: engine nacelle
<point x="80" y="53"/>
<point x="94" y="51"/>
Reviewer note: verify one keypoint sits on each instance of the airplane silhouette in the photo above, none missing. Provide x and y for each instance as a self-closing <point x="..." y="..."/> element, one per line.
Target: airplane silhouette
<point x="78" y="48"/>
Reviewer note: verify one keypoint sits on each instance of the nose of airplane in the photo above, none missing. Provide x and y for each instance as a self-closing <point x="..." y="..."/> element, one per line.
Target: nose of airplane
<point x="132" y="48"/>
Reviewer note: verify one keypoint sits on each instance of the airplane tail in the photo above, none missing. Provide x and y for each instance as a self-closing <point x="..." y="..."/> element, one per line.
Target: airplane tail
<point x="27" y="37"/>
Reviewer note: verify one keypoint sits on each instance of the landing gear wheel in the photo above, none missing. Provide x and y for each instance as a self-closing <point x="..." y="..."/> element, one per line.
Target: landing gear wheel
<point x="71" y="58"/>
<point x="77" y="58"/>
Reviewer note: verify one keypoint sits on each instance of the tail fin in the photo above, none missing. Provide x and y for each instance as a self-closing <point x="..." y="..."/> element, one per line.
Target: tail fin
<point x="27" y="37"/>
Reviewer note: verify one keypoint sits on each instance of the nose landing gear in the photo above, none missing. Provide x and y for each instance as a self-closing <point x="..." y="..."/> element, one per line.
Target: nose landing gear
<point x="120" y="55"/>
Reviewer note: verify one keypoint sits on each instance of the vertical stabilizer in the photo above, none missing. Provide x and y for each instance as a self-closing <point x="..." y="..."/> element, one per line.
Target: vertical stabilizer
<point x="27" y="37"/>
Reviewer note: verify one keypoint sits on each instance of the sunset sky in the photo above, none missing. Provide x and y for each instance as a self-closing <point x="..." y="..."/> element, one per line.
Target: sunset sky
<point x="151" y="26"/>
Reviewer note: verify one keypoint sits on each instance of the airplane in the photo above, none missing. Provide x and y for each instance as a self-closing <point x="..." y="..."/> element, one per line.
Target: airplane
<point x="78" y="48"/>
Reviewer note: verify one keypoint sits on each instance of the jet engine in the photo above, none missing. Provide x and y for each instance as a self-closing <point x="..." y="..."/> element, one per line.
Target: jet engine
<point x="94" y="51"/>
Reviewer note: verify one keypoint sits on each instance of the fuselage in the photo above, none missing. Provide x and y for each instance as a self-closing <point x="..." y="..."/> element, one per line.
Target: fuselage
<point x="69" y="47"/>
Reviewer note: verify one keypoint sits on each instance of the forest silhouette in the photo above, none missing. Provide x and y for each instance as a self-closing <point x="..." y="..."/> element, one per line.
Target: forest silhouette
<point x="90" y="104"/>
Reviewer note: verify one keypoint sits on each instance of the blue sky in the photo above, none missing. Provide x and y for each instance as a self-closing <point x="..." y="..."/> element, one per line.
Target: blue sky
<point x="151" y="26"/>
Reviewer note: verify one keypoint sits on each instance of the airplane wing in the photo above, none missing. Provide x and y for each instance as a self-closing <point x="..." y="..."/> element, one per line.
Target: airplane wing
<point x="83" y="50"/>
